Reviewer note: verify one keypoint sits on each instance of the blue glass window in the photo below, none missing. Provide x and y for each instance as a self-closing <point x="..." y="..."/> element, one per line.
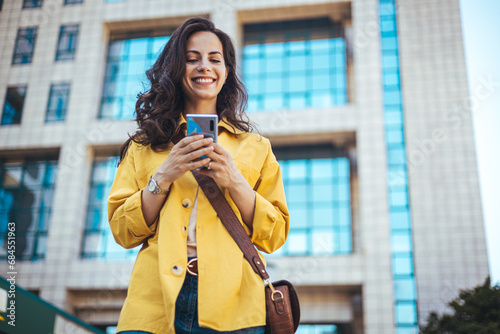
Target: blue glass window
<point x="66" y="47"/>
<point x="98" y="241"/>
<point x="317" y="187"/>
<point x="405" y="289"/>
<point x="401" y="241"/>
<point x="402" y="264"/>
<point x="407" y="330"/>
<point x="70" y="2"/>
<point x="318" y="329"/>
<point x="405" y="294"/>
<point x="58" y="102"/>
<point x="26" y="196"/>
<point x="127" y="62"/>
<point x="13" y="105"/>
<point x="25" y="45"/>
<point x="400" y="219"/>
<point x="294" y="65"/>
<point x="32" y="3"/>
<point x="406" y="313"/>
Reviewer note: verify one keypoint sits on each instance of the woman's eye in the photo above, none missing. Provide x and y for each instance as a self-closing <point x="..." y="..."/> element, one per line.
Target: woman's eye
<point x="191" y="61"/>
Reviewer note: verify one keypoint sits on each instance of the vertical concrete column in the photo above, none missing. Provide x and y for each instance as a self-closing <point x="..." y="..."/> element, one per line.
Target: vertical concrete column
<point x="374" y="226"/>
<point x="225" y="16"/>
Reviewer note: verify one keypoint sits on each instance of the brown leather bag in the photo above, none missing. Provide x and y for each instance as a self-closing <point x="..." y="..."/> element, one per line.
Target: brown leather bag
<point x="282" y="302"/>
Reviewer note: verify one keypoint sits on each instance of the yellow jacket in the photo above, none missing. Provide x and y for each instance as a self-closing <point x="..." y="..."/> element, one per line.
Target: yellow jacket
<point x="230" y="293"/>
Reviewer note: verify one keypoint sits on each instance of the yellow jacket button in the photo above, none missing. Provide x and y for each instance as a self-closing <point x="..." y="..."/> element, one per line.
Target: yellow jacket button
<point x="184" y="230"/>
<point x="177" y="270"/>
<point x="186" y="202"/>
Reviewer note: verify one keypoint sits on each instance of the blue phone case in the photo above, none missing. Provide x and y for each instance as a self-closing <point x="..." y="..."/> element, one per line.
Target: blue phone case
<point x="202" y="124"/>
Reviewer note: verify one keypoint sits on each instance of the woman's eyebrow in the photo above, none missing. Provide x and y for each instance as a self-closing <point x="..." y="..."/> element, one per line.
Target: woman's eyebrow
<point x="210" y="53"/>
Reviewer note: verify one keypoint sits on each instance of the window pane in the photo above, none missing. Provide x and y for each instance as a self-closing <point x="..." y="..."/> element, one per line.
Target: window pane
<point x="298" y="216"/>
<point x="322" y="193"/>
<point x="402" y="265"/>
<point x="58" y="102"/>
<point x="307" y="55"/>
<point x="406" y="313"/>
<point x="318" y="329"/>
<point x="25" y="45"/>
<point x="323" y="242"/>
<point x="13" y="105"/>
<point x="296" y="193"/>
<point x="318" y="196"/>
<point x="405" y="289"/>
<point x="297" y="242"/>
<point x="32" y="3"/>
<point x="322" y="217"/>
<point x="98" y="240"/>
<point x="126" y="65"/>
<point x="407" y="330"/>
<point x="401" y="241"/>
<point x="297" y="169"/>
<point x="66" y="46"/>
<point x="400" y="219"/>
<point x="26" y="197"/>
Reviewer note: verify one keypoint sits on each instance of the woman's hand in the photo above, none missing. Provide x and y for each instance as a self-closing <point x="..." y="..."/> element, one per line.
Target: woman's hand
<point x="222" y="168"/>
<point x="183" y="158"/>
<point x="224" y="172"/>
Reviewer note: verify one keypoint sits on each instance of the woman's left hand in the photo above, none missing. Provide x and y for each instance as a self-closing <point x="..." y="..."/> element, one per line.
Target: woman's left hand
<point x="221" y="167"/>
<point x="225" y="174"/>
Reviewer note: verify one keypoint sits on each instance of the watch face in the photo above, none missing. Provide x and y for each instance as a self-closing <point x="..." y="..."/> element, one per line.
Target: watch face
<point x="151" y="186"/>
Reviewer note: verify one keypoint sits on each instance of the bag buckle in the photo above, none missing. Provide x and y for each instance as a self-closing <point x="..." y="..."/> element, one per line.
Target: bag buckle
<point x="273" y="290"/>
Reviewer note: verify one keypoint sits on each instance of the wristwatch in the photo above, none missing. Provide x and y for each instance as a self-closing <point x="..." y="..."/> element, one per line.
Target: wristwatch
<point x="154" y="189"/>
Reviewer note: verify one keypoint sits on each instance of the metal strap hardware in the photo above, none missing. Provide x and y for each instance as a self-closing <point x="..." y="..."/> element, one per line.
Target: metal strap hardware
<point x="192" y="267"/>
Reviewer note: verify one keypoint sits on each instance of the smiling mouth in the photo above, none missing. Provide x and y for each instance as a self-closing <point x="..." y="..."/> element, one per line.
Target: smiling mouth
<point x="204" y="80"/>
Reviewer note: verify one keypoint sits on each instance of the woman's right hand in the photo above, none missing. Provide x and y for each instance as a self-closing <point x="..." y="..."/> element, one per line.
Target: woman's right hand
<point x="183" y="158"/>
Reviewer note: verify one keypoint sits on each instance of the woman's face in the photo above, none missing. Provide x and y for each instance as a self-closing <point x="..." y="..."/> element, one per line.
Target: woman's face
<point x="206" y="70"/>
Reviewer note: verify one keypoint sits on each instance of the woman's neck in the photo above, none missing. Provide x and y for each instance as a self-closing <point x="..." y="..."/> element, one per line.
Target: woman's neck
<point x="201" y="107"/>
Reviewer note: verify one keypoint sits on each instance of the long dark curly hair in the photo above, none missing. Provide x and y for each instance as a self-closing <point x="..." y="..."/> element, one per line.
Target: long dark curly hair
<point x="158" y="109"/>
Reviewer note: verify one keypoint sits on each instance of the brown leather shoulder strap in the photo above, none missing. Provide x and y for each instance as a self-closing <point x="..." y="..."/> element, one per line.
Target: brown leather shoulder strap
<point x="231" y="222"/>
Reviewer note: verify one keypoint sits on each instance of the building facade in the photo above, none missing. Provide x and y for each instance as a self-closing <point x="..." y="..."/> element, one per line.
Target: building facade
<point x="365" y="102"/>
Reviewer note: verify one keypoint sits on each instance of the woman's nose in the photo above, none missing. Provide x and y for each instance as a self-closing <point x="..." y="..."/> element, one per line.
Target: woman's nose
<point x="204" y="65"/>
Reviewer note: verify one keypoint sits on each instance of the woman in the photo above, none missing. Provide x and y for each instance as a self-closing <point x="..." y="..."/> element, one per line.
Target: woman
<point x="155" y="200"/>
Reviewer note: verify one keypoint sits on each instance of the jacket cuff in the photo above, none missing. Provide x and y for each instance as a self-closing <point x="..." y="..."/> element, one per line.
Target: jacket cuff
<point x="137" y="224"/>
<point x="264" y="219"/>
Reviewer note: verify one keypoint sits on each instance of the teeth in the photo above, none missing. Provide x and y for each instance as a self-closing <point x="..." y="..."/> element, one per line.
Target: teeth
<point x="204" y="80"/>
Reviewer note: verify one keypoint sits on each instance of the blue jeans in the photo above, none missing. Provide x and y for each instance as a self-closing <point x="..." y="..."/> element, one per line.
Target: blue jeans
<point x="186" y="313"/>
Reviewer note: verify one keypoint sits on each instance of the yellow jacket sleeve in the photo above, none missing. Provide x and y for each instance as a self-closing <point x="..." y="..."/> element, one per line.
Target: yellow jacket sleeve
<point x="271" y="218"/>
<point x="125" y="206"/>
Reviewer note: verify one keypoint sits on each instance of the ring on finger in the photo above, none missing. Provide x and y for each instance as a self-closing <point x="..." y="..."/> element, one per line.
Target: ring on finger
<point x="208" y="167"/>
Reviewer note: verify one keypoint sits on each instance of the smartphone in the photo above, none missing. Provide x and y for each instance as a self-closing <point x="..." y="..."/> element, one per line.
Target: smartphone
<point x="202" y="124"/>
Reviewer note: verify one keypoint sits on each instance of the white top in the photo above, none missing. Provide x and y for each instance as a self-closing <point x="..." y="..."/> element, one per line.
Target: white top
<point x="191" y="239"/>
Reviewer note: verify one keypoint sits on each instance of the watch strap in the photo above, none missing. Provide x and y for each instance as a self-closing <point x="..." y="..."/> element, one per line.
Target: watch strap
<point x="157" y="189"/>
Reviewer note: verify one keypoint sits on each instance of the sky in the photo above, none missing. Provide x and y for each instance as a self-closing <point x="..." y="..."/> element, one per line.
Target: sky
<point x="481" y="31"/>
